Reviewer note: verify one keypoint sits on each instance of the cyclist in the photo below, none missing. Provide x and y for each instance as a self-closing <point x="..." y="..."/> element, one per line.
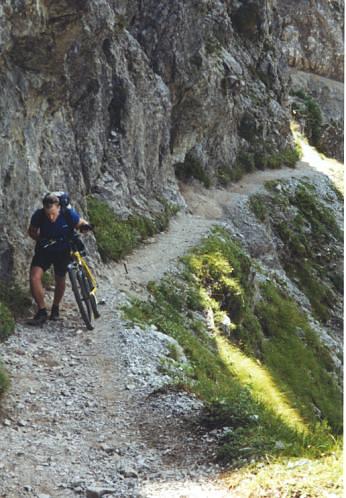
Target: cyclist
<point x="51" y="227"/>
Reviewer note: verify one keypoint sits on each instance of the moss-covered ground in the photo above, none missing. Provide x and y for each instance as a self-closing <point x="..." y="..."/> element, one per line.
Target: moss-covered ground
<point x="117" y="237"/>
<point x="247" y="162"/>
<point x="290" y="478"/>
<point x="6" y="328"/>
<point x="269" y="378"/>
<point x="311" y="239"/>
<point x="13" y="302"/>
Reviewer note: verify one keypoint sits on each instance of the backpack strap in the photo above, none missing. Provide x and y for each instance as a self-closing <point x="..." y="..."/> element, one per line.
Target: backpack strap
<point x="67" y="215"/>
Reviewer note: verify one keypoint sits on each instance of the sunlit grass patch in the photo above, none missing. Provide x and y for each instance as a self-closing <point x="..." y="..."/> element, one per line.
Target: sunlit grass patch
<point x="290" y="478"/>
<point x="261" y="384"/>
<point x="297" y="359"/>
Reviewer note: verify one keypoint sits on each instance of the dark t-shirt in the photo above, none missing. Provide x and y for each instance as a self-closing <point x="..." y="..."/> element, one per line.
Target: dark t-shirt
<point x="58" y="230"/>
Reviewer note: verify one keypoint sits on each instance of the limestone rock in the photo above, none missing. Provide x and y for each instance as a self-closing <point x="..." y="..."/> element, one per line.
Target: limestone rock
<point x="313" y="36"/>
<point x="97" y="492"/>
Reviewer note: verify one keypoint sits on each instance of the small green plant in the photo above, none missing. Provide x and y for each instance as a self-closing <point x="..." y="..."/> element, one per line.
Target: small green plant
<point x="246" y="160"/>
<point x="244" y="163"/>
<point x="14" y="297"/>
<point x="226" y="175"/>
<point x="6" y="322"/>
<point x="7" y="325"/>
<point x="48" y="279"/>
<point x="174" y="353"/>
<point x="314" y="120"/>
<point x="192" y="168"/>
<point x="258" y="207"/>
<point x="286" y="157"/>
<point x="271" y="185"/>
<point x="321" y="218"/>
<point x="4" y="381"/>
<point x="212" y="46"/>
<point x="310" y="111"/>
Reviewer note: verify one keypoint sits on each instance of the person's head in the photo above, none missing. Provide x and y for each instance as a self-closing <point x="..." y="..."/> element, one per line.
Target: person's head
<point x="51" y="206"/>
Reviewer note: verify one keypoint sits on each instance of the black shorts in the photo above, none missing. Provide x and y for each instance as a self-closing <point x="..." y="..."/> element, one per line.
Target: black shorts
<point x="59" y="259"/>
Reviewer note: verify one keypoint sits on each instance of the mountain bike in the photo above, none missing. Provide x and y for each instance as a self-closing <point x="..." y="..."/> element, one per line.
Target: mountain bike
<point x="83" y="282"/>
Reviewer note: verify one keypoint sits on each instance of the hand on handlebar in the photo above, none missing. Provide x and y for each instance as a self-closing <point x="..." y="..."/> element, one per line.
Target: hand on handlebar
<point x="86" y="227"/>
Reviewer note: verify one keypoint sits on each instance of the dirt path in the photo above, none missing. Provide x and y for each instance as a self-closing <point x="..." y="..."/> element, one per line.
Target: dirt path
<point x="86" y="415"/>
<point x="206" y="207"/>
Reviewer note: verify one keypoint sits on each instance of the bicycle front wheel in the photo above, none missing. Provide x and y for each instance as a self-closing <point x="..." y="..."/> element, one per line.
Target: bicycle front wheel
<point x="93" y="301"/>
<point x="81" y="293"/>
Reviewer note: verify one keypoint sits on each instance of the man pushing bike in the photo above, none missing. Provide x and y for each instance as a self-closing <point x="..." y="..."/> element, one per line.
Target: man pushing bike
<point x="52" y="227"/>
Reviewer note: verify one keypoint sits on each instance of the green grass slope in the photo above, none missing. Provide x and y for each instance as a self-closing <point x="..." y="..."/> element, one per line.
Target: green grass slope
<point x="261" y="369"/>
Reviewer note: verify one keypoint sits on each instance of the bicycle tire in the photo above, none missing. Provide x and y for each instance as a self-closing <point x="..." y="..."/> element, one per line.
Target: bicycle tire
<point x="84" y="286"/>
<point x="80" y="293"/>
<point x="93" y="301"/>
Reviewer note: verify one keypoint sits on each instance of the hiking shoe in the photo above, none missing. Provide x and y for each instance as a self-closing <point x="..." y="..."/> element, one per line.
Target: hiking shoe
<point x="54" y="314"/>
<point x="39" y="319"/>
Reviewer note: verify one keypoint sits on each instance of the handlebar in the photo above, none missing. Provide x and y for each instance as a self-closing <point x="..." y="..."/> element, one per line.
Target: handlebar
<point x="44" y="243"/>
<point x="86" y="228"/>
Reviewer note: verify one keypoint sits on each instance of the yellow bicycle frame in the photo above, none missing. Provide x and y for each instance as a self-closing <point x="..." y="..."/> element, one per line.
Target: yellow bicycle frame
<point x="81" y="261"/>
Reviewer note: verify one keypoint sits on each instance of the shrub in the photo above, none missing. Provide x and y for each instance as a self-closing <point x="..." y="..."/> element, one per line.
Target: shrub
<point x="116" y="237"/>
<point x="6" y="322"/>
<point x="310" y="111"/>
<point x="192" y="168"/>
<point x="258" y="207"/>
<point x="4" y="382"/>
<point x="285" y="157"/>
<point x="226" y="175"/>
<point x="14" y="297"/>
<point x="246" y="160"/>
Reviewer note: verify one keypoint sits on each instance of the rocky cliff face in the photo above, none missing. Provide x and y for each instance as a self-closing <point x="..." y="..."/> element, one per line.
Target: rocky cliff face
<point x="105" y="97"/>
<point x="313" y="36"/>
<point x="313" y="40"/>
<point x="108" y="97"/>
<point x="81" y="109"/>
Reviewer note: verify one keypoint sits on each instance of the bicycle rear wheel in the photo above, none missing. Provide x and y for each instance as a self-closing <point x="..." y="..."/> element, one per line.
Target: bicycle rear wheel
<point x="81" y="293"/>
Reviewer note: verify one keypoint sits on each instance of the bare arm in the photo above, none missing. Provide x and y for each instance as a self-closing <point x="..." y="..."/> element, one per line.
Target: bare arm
<point x="34" y="232"/>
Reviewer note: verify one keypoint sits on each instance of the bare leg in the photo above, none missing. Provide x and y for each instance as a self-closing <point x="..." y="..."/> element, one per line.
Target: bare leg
<point x="60" y="284"/>
<point x="36" y="286"/>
